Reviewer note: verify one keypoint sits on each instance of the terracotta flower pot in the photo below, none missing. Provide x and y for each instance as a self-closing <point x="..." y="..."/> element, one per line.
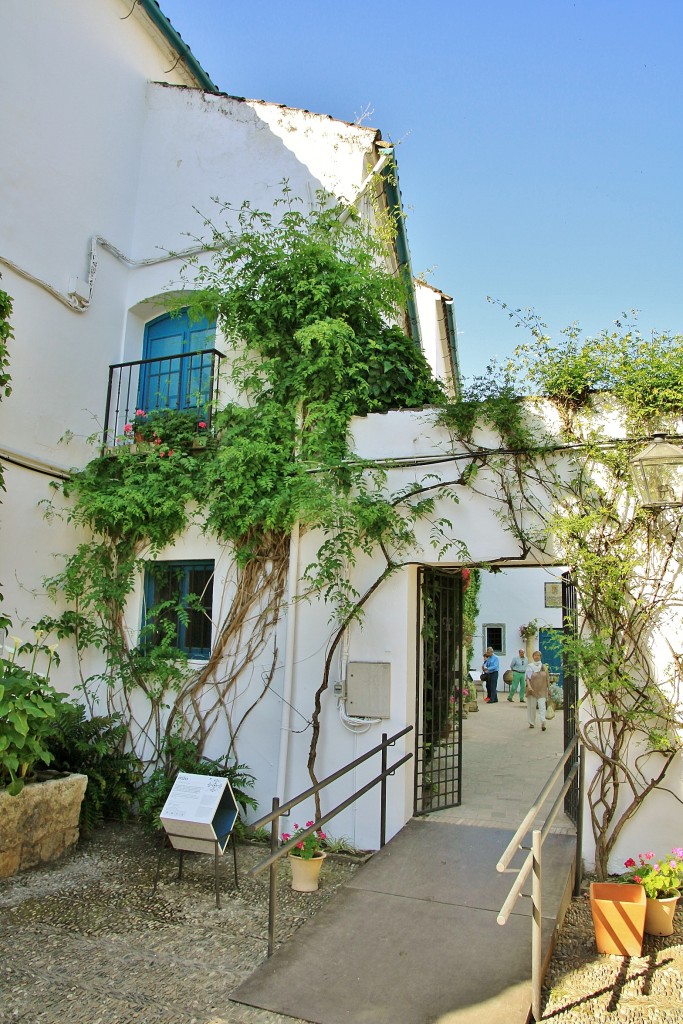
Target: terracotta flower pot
<point x="618" y="911"/>
<point x="659" y="915"/>
<point x="306" y="873"/>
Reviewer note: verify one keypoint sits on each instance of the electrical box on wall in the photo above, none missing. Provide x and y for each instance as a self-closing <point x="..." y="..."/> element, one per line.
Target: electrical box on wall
<point x="368" y="689"/>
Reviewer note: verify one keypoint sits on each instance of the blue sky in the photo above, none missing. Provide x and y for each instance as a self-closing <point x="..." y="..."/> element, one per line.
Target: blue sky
<point x="539" y="142"/>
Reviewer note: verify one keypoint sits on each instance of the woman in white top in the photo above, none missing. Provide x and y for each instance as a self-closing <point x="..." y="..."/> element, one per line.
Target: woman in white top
<point x="537" y="685"/>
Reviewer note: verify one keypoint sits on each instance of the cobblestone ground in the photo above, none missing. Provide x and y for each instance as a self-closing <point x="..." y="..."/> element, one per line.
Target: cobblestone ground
<point x="583" y="986"/>
<point x="83" y="941"/>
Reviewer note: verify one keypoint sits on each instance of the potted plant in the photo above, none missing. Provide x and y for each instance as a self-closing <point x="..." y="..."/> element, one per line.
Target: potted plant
<point x="306" y="859"/>
<point x="618" y="911"/>
<point x="661" y="880"/>
<point x="168" y="430"/>
<point x="39" y="820"/>
<point x="528" y="632"/>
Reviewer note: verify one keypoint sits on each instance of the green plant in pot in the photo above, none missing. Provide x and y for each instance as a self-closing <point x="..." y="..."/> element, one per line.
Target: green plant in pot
<point x="662" y="880"/>
<point x="306" y="857"/>
<point x="169" y="430"/>
<point x="28" y="705"/>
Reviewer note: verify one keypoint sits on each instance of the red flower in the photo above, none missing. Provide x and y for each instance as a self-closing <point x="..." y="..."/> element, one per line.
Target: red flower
<point x="637" y="878"/>
<point x="128" y="429"/>
<point x="630" y="863"/>
<point x="201" y="425"/>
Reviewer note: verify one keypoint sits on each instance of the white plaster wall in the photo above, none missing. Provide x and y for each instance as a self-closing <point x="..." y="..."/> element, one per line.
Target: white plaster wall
<point x="434" y="332"/>
<point x="513" y="597"/>
<point x="199" y="145"/>
<point x="93" y="149"/>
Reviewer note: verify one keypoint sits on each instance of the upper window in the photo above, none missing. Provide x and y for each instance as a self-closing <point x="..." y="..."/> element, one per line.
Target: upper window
<point x="178" y="377"/>
<point x="178" y="605"/>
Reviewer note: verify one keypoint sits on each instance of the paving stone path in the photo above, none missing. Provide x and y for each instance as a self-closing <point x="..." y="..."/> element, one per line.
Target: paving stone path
<point x="83" y="941"/>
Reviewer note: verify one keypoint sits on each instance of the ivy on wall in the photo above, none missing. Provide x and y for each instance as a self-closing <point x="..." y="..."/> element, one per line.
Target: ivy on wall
<point x="309" y="312"/>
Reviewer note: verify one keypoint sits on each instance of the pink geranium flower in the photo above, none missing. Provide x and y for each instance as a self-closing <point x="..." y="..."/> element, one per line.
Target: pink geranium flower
<point x="307" y="845"/>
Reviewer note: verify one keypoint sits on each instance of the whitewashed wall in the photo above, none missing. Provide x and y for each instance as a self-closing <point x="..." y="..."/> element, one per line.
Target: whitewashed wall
<point x="107" y="144"/>
<point x="512" y="598"/>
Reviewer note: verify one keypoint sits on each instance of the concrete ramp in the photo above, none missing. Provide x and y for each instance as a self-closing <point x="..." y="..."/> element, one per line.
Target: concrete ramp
<point x="413" y="938"/>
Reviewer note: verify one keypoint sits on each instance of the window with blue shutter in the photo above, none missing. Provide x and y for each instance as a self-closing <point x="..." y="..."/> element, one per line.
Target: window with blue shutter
<point x="179" y="603"/>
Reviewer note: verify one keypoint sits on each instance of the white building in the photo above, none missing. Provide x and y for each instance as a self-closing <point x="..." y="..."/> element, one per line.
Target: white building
<point x="112" y="155"/>
<point x="115" y="138"/>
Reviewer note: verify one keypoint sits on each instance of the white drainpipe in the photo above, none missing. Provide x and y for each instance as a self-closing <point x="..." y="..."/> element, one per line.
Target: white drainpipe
<point x="290" y="641"/>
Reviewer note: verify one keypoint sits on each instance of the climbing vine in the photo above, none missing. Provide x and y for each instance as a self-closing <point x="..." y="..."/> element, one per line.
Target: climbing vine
<point x="563" y="490"/>
<point x="309" y="313"/>
<point x="6" y="336"/>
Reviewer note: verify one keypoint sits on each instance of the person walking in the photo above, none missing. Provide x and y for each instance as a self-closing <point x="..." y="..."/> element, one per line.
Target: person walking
<point x="491" y="667"/>
<point x="537" y="687"/>
<point x="518" y="667"/>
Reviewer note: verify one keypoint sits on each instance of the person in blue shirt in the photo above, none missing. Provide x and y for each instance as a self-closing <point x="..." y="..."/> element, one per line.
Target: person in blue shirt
<point x="491" y="667"/>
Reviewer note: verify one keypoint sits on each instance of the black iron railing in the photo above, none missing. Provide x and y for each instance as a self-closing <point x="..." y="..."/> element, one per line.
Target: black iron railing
<point x="273" y="819"/>
<point x="187" y="381"/>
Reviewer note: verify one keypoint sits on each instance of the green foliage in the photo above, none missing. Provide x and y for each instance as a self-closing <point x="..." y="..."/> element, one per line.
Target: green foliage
<point x="170" y="430"/>
<point x="661" y="877"/>
<point x="644" y="374"/>
<point x="95" y="746"/>
<point x="493" y="401"/>
<point x="138" y="497"/>
<point x="471" y="582"/>
<point x="28" y="706"/>
<point x="308" y="845"/>
<point x="180" y="755"/>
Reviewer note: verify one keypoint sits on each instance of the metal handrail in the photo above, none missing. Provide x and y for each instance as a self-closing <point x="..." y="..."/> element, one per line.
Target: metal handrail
<point x="168" y="359"/>
<point x="122" y="395"/>
<point x="533" y="861"/>
<point x="276" y="851"/>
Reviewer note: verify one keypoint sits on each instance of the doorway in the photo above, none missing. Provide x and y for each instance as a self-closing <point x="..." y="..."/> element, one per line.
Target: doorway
<point x="486" y="767"/>
<point x="438" y="713"/>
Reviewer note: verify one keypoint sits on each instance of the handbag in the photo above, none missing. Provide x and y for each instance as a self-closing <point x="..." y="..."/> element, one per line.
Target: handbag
<point x="483" y="677"/>
<point x="550" y="710"/>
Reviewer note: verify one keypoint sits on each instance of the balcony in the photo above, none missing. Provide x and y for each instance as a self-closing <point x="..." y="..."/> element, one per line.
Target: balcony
<point x="178" y="382"/>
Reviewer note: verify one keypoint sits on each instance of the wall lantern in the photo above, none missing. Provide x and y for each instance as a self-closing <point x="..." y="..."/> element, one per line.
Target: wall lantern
<point x="658" y="473"/>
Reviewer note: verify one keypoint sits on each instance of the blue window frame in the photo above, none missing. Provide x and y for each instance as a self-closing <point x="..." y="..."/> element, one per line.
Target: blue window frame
<point x="178" y="598"/>
<point x="172" y="382"/>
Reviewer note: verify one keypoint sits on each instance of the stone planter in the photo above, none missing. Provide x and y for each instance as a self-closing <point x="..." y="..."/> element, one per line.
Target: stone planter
<point x="40" y="823"/>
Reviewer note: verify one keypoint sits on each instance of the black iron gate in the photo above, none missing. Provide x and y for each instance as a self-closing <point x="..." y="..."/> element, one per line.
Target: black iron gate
<point x="571" y="689"/>
<point x="438" y="713"/>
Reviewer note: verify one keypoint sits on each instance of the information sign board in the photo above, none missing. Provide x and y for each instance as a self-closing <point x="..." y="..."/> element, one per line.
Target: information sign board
<point x="200" y="811"/>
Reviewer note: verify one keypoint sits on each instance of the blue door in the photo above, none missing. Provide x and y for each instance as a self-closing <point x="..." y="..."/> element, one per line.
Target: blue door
<point x="550" y="646"/>
<point x="177" y="379"/>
